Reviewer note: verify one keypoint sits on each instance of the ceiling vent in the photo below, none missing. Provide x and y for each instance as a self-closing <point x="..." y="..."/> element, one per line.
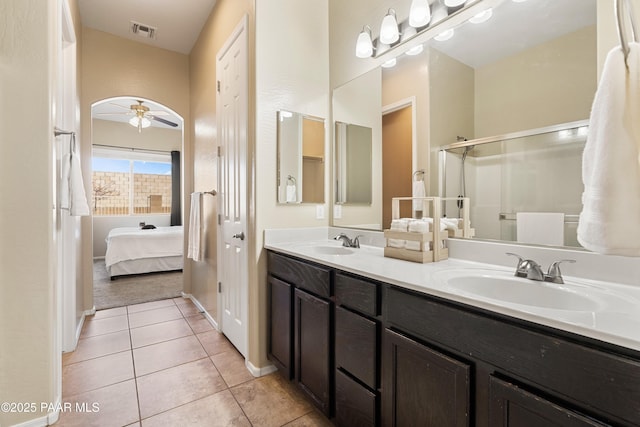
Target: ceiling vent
<point x="143" y="30"/>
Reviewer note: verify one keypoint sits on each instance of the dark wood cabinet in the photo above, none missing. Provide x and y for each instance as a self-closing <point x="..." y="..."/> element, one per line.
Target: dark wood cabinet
<point x="513" y="406"/>
<point x="280" y="331"/>
<point x="374" y="354"/>
<point x="423" y="387"/>
<point x="312" y="346"/>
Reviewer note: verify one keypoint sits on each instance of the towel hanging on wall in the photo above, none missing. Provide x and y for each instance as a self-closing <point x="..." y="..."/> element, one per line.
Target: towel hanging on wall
<point x="194" y="246"/>
<point x="73" y="197"/>
<point x="609" y="222"/>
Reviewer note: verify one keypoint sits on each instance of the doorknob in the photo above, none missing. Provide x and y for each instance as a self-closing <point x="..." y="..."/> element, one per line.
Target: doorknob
<point x="239" y="235"/>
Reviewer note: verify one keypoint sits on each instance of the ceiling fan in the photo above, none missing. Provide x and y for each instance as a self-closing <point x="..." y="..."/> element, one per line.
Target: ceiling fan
<point x="142" y="116"/>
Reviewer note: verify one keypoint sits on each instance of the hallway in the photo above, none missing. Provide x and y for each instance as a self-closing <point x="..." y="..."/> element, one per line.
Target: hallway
<point x="162" y="364"/>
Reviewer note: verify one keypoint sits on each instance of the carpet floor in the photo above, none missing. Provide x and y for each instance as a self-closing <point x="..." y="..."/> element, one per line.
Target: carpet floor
<point x="135" y="289"/>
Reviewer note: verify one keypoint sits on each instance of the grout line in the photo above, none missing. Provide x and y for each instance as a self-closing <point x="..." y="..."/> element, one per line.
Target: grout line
<point x="135" y="375"/>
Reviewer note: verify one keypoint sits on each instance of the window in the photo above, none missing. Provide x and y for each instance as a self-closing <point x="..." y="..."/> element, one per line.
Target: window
<point x="128" y="182"/>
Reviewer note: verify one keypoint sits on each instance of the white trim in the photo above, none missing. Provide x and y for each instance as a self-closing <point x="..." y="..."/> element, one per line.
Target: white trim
<point x="202" y="309"/>
<point x="259" y="372"/>
<point x="43" y="421"/>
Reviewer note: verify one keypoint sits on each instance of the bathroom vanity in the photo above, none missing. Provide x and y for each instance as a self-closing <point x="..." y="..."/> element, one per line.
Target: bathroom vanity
<point x="372" y="350"/>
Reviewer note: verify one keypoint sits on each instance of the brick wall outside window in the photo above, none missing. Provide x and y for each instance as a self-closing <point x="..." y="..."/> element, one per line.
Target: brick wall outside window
<point x="111" y="193"/>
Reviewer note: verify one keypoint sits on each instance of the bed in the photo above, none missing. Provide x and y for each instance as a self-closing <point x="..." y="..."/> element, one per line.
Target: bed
<point x="132" y="250"/>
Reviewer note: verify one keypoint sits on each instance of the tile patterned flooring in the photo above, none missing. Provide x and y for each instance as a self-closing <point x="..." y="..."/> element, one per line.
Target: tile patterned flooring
<point x="162" y="364"/>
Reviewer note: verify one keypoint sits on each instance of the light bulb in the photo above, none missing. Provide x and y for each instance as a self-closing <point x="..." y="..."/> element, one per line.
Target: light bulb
<point x="389" y="33"/>
<point x="364" y="45"/>
<point x="420" y="13"/>
<point x="454" y="3"/>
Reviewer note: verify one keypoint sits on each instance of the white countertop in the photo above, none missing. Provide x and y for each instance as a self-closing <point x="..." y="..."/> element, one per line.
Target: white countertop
<point x="613" y="323"/>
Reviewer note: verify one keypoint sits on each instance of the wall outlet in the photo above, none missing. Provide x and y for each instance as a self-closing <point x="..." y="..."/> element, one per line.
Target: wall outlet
<point x="319" y="211"/>
<point x="337" y="211"/>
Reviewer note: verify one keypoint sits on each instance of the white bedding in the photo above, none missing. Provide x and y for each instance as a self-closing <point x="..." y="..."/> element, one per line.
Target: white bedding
<point x="131" y="243"/>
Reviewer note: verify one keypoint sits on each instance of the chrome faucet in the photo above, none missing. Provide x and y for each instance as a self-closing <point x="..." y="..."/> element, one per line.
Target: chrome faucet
<point x="347" y="242"/>
<point x="532" y="270"/>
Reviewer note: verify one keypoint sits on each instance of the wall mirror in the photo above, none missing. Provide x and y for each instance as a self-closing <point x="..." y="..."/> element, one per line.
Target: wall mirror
<point x="352" y="164"/>
<point x="301" y="163"/>
<point x="531" y="65"/>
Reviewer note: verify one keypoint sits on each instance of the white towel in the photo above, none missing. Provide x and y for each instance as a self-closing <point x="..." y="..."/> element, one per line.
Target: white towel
<point x="194" y="246"/>
<point x="541" y="228"/>
<point x="418" y="190"/>
<point x="419" y="226"/>
<point x="610" y="218"/>
<point x="291" y="193"/>
<point x="399" y="224"/>
<point x="73" y="196"/>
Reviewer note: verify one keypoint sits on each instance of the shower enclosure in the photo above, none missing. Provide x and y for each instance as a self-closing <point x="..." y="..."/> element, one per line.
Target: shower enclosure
<point x="538" y="170"/>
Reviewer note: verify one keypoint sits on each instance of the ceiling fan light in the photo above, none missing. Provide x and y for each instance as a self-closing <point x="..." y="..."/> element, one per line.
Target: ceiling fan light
<point x="420" y="13"/>
<point x="138" y="122"/>
<point x="364" y="45"/>
<point x="389" y="32"/>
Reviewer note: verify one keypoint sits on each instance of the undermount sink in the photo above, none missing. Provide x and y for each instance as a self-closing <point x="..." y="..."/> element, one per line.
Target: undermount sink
<point x="332" y="250"/>
<point x="501" y="286"/>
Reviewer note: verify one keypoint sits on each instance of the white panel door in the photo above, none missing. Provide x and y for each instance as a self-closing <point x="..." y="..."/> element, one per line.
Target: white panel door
<point x="232" y="111"/>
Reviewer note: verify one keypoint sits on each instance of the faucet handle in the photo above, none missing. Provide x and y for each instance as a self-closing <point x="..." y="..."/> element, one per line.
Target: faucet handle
<point x="521" y="268"/>
<point x="356" y="241"/>
<point x="554" y="274"/>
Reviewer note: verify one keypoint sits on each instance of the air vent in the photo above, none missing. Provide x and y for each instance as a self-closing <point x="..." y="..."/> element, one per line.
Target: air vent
<point x="143" y="30"/>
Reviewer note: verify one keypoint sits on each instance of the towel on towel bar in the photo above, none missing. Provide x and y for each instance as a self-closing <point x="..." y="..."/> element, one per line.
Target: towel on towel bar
<point x="194" y="246"/>
<point x="418" y="190"/>
<point x="73" y="196"/>
<point x="609" y="222"/>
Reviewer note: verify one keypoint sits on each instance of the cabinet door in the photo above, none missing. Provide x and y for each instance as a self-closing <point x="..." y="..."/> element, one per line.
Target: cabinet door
<point x="280" y="326"/>
<point x="356" y="346"/>
<point x="312" y="323"/>
<point x="422" y="387"/>
<point x="511" y="406"/>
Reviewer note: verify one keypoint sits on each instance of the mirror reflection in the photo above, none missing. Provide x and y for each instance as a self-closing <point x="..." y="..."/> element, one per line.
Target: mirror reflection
<point x="353" y="164"/>
<point x="509" y="74"/>
<point x="301" y="152"/>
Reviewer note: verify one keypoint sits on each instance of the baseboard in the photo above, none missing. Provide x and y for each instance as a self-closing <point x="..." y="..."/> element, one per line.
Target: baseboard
<point x="259" y="372"/>
<point x="202" y="310"/>
<point x="43" y="421"/>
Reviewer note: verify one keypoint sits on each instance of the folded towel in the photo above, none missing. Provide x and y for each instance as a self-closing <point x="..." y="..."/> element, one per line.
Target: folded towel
<point x="399" y="224"/>
<point x="291" y="193"/>
<point x="412" y="245"/>
<point x="418" y="190"/>
<point x="541" y="228"/>
<point x="396" y="243"/>
<point x="610" y="164"/>
<point x="194" y="246"/>
<point x="419" y="226"/>
<point x="449" y="223"/>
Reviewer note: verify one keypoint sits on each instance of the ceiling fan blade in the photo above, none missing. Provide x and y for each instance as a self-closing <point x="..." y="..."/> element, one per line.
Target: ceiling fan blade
<point x="161" y="120"/>
<point x="158" y="113"/>
<point x="111" y="114"/>
<point x="120" y="106"/>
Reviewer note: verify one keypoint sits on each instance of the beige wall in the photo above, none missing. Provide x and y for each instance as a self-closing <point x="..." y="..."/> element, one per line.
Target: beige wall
<point x="224" y="17"/>
<point x="27" y="252"/>
<point x="113" y="66"/>
<point x="513" y="95"/>
<point x="295" y="78"/>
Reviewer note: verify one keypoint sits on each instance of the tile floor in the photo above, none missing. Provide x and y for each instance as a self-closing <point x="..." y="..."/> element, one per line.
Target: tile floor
<point x="162" y="364"/>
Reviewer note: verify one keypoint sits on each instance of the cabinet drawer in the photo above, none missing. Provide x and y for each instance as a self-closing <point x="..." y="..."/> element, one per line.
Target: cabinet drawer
<point x="356" y="346"/>
<point x="355" y="405"/>
<point x="301" y="274"/>
<point x="358" y="294"/>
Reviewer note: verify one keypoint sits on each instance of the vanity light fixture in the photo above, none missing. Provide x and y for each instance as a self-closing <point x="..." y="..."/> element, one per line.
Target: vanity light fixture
<point x="454" y="3"/>
<point x="364" y="44"/>
<point x="389" y="32"/>
<point x="416" y="50"/>
<point x="445" y="35"/>
<point x="481" y="17"/>
<point x="420" y="13"/>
